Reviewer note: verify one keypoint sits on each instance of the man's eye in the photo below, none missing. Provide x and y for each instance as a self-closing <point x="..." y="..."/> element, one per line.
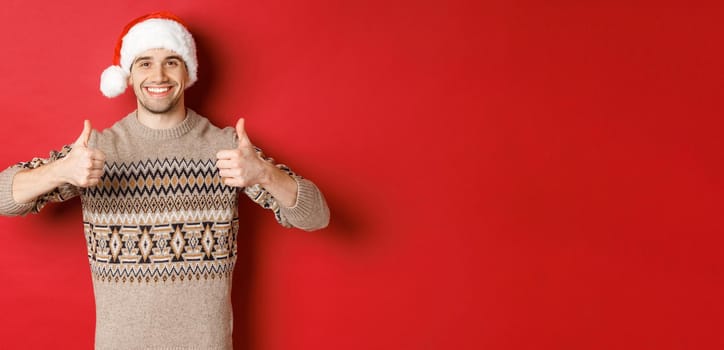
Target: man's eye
<point x="172" y="63"/>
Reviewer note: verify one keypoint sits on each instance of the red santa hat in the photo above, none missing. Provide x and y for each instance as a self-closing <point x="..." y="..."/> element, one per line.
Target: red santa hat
<point x="158" y="30"/>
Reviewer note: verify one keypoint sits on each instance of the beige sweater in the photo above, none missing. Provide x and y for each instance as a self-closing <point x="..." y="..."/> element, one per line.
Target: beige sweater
<point x="161" y="232"/>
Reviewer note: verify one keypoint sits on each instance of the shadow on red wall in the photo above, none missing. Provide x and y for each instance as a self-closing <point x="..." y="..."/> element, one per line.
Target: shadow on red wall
<point x="347" y="226"/>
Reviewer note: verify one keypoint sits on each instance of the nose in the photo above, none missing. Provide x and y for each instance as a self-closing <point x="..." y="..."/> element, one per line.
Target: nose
<point x="158" y="74"/>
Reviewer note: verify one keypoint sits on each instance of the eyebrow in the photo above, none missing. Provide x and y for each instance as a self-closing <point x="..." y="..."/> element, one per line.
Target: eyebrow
<point x="144" y="58"/>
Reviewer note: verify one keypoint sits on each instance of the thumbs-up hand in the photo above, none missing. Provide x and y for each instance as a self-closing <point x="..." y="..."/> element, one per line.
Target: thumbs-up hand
<point x="83" y="166"/>
<point x="242" y="166"/>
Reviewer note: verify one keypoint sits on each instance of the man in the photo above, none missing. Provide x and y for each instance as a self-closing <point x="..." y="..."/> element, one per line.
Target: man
<point x="159" y="194"/>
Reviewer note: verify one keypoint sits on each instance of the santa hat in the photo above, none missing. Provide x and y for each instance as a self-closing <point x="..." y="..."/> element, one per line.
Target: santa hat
<point x="159" y="30"/>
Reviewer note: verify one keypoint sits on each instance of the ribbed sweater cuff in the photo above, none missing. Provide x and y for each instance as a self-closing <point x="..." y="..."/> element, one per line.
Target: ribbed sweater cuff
<point x="8" y="205"/>
<point x="310" y="211"/>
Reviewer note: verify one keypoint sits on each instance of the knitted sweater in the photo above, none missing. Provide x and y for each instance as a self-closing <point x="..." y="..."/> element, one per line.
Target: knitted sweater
<point x="161" y="232"/>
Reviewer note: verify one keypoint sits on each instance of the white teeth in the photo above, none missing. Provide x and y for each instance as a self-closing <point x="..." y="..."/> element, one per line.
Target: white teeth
<point x="157" y="90"/>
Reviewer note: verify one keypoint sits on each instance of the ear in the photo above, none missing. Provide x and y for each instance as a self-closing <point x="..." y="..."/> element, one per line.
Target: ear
<point x="187" y="76"/>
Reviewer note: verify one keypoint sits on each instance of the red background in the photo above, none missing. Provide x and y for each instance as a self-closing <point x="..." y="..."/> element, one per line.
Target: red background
<point x="502" y="174"/>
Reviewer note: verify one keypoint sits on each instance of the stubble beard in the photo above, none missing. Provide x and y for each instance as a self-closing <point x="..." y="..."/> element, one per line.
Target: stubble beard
<point x="161" y="108"/>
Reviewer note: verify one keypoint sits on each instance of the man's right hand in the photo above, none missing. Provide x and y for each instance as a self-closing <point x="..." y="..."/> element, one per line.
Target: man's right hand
<point x="83" y="166"/>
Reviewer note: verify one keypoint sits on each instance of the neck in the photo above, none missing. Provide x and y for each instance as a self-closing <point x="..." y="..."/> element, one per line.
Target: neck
<point x="165" y="120"/>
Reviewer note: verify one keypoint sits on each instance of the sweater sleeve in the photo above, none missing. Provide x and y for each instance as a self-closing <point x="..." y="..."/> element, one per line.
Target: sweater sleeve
<point x="8" y="205"/>
<point x="310" y="212"/>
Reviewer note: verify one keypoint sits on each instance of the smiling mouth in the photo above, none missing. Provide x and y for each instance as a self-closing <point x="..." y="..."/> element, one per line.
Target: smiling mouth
<point x="158" y="91"/>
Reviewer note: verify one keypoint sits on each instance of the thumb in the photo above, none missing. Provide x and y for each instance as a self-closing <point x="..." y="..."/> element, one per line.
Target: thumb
<point x="241" y="133"/>
<point x="85" y="135"/>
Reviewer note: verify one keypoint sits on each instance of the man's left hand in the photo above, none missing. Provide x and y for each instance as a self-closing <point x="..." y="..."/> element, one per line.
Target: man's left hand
<point x="242" y="166"/>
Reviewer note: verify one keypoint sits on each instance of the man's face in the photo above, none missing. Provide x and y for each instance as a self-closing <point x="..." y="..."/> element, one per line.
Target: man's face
<point x="159" y="77"/>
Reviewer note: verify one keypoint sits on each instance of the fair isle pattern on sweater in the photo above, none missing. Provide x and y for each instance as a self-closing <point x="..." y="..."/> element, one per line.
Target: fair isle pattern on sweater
<point x="146" y="196"/>
<point x="175" y="222"/>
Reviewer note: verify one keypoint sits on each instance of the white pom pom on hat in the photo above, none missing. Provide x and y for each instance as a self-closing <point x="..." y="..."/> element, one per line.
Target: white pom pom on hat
<point x="113" y="81"/>
<point x="158" y="30"/>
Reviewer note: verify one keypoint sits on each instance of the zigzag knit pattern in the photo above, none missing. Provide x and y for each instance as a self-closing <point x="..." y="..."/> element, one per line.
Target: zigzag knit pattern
<point x="144" y="195"/>
<point x="160" y="177"/>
